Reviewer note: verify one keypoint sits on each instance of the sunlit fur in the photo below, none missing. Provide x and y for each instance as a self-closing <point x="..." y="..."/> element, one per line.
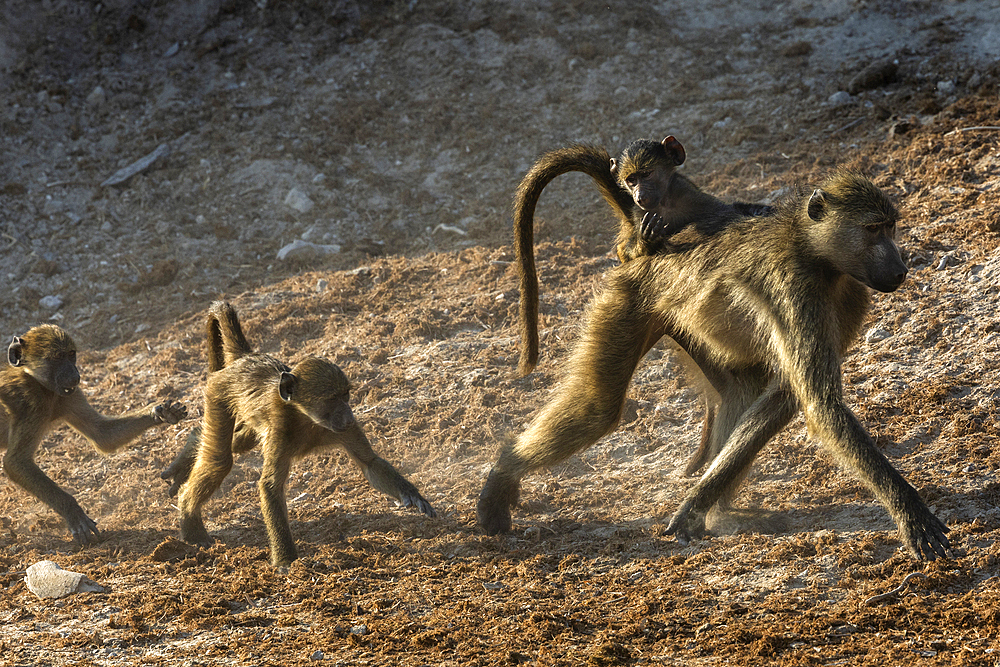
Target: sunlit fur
<point x="767" y="307"/>
<point x="38" y="391"/>
<point x="254" y="399"/>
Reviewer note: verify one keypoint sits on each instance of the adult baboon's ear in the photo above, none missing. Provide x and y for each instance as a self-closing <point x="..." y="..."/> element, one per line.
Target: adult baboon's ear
<point x="674" y="149"/>
<point x="14" y="352"/>
<point x="817" y="201"/>
<point x="614" y="167"/>
<point x="286" y="386"/>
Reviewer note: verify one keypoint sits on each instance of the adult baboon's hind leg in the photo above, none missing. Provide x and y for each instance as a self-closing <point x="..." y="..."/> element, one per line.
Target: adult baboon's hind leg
<point x="587" y="405"/>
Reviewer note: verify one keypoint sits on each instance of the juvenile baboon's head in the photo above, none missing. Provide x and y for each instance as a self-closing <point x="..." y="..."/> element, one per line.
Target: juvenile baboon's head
<point x="48" y="354"/>
<point x="320" y="390"/>
<point x="852" y="224"/>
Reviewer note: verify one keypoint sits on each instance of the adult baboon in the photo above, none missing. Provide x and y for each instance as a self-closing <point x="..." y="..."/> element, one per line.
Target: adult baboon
<point x="773" y="303"/>
<point x="38" y="391"/>
<point x="252" y="398"/>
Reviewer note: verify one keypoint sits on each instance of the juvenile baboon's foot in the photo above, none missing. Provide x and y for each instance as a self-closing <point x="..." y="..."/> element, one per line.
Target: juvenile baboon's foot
<point x="193" y="532"/>
<point x="498" y="496"/>
<point x="180" y="468"/>
<point x="688" y="522"/>
<point x="923" y="534"/>
<point x="170" y="412"/>
<point x="82" y="527"/>
<point x="412" y="498"/>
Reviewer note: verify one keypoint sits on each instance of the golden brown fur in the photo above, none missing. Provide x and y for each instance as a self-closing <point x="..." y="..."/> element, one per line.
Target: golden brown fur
<point x="767" y="307"/>
<point x="38" y="391"/>
<point x="252" y="398"/>
<point x="652" y="202"/>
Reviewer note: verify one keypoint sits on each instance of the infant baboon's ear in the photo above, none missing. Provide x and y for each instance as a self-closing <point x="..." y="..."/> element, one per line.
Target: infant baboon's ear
<point x="286" y="386"/>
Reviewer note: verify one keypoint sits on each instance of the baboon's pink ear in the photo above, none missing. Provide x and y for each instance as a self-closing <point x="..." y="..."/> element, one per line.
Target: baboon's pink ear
<point x="674" y="149"/>
<point x="14" y="352"/>
<point x="286" y="385"/>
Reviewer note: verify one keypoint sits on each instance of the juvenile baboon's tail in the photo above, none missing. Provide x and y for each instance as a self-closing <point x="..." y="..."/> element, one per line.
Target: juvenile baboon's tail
<point x="591" y="160"/>
<point x="226" y="342"/>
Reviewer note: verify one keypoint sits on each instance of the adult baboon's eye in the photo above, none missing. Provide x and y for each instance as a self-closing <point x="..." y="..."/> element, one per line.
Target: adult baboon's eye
<point x="873" y="228"/>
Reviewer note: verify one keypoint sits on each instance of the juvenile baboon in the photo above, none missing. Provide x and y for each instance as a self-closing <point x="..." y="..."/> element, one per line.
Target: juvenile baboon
<point x="252" y="398"/>
<point x="772" y="302"/>
<point x="39" y="390"/>
<point x="653" y="204"/>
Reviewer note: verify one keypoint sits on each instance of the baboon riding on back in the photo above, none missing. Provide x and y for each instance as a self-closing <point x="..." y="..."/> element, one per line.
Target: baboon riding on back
<point x="767" y="307"/>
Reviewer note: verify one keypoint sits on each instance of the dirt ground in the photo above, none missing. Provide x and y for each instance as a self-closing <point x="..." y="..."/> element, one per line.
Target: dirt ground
<point x="391" y="135"/>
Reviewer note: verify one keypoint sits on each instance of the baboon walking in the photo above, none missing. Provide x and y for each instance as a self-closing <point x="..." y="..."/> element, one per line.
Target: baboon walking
<point x="39" y="389"/>
<point x="252" y="398"/>
<point x="772" y="304"/>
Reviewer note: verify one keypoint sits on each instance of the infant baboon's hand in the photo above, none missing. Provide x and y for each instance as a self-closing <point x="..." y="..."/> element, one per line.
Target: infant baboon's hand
<point x="170" y="412"/>
<point x="651" y="227"/>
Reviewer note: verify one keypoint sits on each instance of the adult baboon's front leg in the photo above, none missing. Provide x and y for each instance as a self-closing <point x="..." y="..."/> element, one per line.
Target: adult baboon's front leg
<point x="770" y="413"/>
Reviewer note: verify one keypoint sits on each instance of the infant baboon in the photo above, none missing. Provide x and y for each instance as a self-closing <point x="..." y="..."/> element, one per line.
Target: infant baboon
<point x="39" y="390"/>
<point x="769" y="304"/>
<point x="252" y="398"/>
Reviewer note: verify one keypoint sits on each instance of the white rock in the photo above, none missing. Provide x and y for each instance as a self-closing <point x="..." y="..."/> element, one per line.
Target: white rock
<point x="946" y="87"/>
<point x="47" y="580"/>
<point x="840" y="98"/>
<point x="299" y="200"/>
<point x="321" y="285"/>
<point x="299" y="249"/>
<point x="51" y="302"/>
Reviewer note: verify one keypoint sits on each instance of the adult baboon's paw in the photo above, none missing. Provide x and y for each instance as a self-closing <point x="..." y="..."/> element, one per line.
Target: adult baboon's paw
<point x="497" y="497"/>
<point x="924" y="536"/>
<point x="687" y="523"/>
<point x="170" y="412"/>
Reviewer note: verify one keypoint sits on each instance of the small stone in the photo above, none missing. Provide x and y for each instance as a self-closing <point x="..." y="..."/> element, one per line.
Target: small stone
<point x="359" y="630"/>
<point x="299" y="200"/>
<point x="301" y="250"/>
<point x="839" y="98"/>
<point x="318" y="655"/>
<point x="140" y="165"/>
<point x="946" y="87"/>
<point x="877" y="335"/>
<point x="47" y="580"/>
<point x="51" y="302"/>
<point x="97" y="97"/>
<point x="321" y="286"/>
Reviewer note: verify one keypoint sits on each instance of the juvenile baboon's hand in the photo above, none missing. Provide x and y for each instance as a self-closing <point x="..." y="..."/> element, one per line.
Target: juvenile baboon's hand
<point x="83" y="528"/>
<point x="924" y="536"/>
<point x="170" y="412"/>
<point x="687" y="522"/>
